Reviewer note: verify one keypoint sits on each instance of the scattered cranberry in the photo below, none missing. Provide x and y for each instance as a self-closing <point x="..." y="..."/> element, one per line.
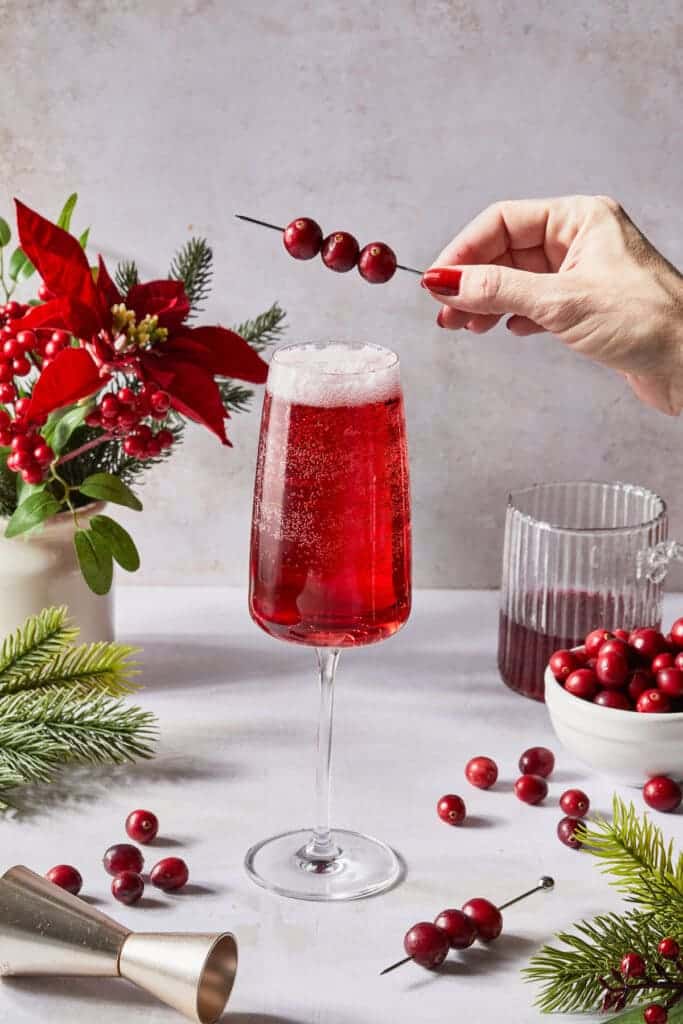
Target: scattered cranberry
<point x="595" y="640"/>
<point x="647" y="642"/>
<point x="633" y="966"/>
<point x="655" y="1013"/>
<point x="451" y="809"/>
<point x="142" y="826"/>
<point x="66" y="877"/>
<point x="640" y="681"/>
<point x="340" y="251"/>
<point x="669" y="949"/>
<point x="563" y="663"/>
<point x="677" y="634"/>
<point x="566" y="832"/>
<point x="613" y="699"/>
<point x="662" y="793"/>
<point x="670" y="681"/>
<point x="303" y="238"/>
<point x="531" y="789"/>
<point x="169" y="874"/>
<point x="486" y="918"/>
<point x="458" y="927"/>
<point x="653" y="702"/>
<point x="123" y="857"/>
<point x="537" y="761"/>
<point x="127" y="887"/>
<point x="377" y="263"/>
<point x="427" y="944"/>
<point x="662" y="661"/>
<point x="481" y="772"/>
<point x="583" y="683"/>
<point x="611" y="669"/>
<point x="575" y="803"/>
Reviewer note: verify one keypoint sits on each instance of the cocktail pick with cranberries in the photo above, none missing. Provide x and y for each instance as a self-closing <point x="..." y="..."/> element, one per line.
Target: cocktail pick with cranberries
<point x="428" y="943"/>
<point x="303" y="239"/>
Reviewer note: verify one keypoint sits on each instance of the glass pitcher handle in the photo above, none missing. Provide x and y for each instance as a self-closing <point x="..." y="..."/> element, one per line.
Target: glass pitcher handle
<point x="653" y="563"/>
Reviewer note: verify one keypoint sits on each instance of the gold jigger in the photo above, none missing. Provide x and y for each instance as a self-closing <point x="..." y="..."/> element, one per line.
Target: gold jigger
<point x="45" y="930"/>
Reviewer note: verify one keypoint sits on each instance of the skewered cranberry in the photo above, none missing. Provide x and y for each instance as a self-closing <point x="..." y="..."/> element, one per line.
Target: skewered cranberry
<point x="653" y="702"/>
<point x="169" y="874"/>
<point x="66" y="877"/>
<point x="662" y="794"/>
<point x="531" y="789"/>
<point x="481" y="772"/>
<point x="123" y="857"/>
<point x="303" y="238"/>
<point x="142" y="826"/>
<point x="427" y="944"/>
<point x="377" y="263"/>
<point x="566" y="832"/>
<point x="340" y="251"/>
<point x="633" y="966"/>
<point x="486" y="918"/>
<point x="613" y="699"/>
<point x="575" y="803"/>
<point x="583" y="683"/>
<point x="670" y="681"/>
<point x="537" y="761"/>
<point x="563" y="663"/>
<point x="127" y="887"/>
<point x="451" y="809"/>
<point x="458" y="927"/>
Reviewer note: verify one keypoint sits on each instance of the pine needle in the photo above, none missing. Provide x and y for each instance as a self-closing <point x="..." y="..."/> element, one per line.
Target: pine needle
<point x="100" y="666"/>
<point x="126" y="276"/>
<point x="193" y="265"/>
<point x="44" y="636"/>
<point x="264" y="330"/>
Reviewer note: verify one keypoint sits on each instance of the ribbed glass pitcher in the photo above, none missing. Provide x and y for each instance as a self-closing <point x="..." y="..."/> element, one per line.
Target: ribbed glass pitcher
<point x="577" y="556"/>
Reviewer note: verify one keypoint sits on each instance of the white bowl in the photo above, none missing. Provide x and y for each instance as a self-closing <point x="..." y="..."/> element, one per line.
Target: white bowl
<point x="626" y="746"/>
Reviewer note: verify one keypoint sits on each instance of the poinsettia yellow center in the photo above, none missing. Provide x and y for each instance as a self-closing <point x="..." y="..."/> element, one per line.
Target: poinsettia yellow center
<point x="129" y="334"/>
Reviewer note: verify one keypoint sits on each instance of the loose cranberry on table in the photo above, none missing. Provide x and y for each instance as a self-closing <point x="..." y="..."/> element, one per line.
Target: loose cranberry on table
<point x="653" y="702"/>
<point x="486" y="918"/>
<point x="66" y="877"/>
<point x="537" y="761"/>
<point x="583" y="683"/>
<point x="127" y="887"/>
<point x="670" y="681"/>
<point x="169" y="874"/>
<point x="123" y="857"/>
<point x="427" y="944"/>
<point x="142" y="826"/>
<point x="531" y="789"/>
<point x="303" y="238"/>
<point x="613" y="699"/>
<point x="481" y="772"/>
<point x="566" y="832"/>
<point x="451" y="809"/>
<point x="563" y="663"/>
<point x="340" y="251"/>
<point x="662" y="793"/>
<point x="575" y="803"/>
<point x="458" y="927"/>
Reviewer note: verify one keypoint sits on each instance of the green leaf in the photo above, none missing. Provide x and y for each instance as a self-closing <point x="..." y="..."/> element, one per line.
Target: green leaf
<point x="32" y="512"/>
<point x="95" y="560"/>
<point x="120" y="542"/>
<point x="17" y="261"/>
<point x="5" y="233"/>
<point x="27" y="270"/>
<point x="83" y="239"/>
<point x="106" y="487"/>
<point x="24" y="489"/>
<point x="62" y="423"/>
<point x="64" y="219"/>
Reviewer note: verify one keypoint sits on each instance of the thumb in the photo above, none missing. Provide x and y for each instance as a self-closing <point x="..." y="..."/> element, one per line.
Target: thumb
<point x="494" y="289"/>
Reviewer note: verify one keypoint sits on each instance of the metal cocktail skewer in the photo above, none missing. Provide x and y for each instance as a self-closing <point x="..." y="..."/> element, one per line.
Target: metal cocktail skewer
<point x="276" y="227"/>
<point x="545" y="882"/>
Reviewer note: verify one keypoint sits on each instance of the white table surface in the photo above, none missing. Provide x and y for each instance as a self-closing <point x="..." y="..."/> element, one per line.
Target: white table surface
<point x="237" y="715"/>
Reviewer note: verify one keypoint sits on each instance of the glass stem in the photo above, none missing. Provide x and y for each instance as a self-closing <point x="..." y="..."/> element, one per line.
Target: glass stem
<point x="321" y="847"/>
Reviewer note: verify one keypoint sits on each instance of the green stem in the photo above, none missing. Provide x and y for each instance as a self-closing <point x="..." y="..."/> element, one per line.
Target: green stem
<point x="2" y="276"/>
<point x="67" y="489"/>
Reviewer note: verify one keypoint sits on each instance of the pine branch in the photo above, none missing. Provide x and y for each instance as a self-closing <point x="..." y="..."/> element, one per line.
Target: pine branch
<point x="110" y="457"/>
<point x="126" y="276"/>
<point x="8" y="486"/>
<point x="193" y="265"/>
<point x="235" y="397"/>
<point x="41" y="638"/>
<point x="100" y="666"/>
<point x="265" y="330"/>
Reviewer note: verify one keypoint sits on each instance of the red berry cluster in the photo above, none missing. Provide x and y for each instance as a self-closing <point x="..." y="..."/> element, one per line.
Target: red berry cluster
<point x="638" y="670"/>
<point x="121" y="415"/>
<point x="125" y="862"/>
<point x="29" y="454"/>
<point x="633" y="968"/>
<point x="339" y="251"/>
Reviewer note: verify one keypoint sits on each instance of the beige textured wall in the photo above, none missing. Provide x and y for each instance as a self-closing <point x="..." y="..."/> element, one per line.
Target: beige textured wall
<point x="398" y="121"/>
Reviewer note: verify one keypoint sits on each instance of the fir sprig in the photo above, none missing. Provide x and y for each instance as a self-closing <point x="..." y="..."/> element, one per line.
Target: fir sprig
<point x="193" y="265"/>
<point x="645" y="869"/>
<point x="126" y="276"/>
<point x="28" y="649"/>
<point x="264" y="330"/>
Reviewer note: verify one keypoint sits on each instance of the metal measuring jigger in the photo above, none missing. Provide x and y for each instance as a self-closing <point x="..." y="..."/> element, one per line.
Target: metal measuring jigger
<point x="45" y="930"/>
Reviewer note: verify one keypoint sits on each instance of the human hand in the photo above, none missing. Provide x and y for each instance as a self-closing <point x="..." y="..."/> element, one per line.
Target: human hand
<point x="578" y="267"/>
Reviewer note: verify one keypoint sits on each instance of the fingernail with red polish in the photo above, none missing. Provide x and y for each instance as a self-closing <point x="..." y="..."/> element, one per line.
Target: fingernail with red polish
<point x="439" y="319"/>
<point x="444" y="280"/>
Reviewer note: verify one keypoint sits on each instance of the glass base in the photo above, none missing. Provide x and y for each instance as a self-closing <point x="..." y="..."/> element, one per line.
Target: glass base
<point x="362" y="867"/>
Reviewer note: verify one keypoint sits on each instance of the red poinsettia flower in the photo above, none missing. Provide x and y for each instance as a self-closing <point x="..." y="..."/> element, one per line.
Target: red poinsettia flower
<point x="143" y="333"/>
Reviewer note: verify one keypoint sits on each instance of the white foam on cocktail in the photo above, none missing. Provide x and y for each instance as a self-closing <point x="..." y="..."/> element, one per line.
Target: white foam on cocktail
<point x="334" y="374"/>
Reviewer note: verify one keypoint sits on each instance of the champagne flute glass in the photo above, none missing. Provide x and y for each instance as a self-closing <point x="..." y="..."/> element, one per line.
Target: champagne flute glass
<point x="330" y="568"/>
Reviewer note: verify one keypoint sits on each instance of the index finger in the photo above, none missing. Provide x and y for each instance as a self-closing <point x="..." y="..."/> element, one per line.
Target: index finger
<point x="514" y="224"/>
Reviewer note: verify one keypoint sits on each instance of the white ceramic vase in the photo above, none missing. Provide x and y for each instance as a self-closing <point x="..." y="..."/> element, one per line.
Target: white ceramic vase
<point x="39" y="570"/>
